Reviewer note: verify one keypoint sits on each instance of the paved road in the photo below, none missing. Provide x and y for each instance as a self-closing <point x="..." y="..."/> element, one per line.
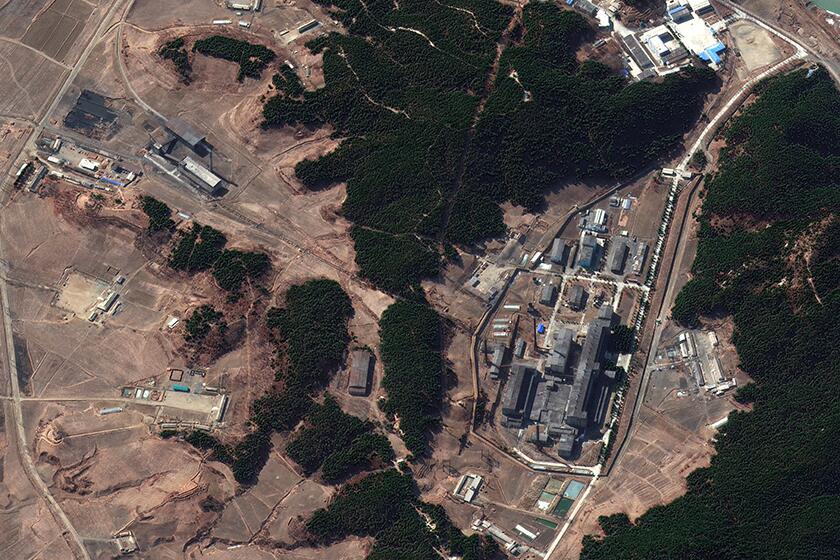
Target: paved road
<point x="73" y="539"/>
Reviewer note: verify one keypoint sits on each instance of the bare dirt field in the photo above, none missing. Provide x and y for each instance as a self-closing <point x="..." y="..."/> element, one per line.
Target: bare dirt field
<point x="30" y="80"/>
<point x="56" y="28"/>
<point x="808" y="25"/>
<point x="755" y="45"/>
<point x="651" y="472"/>
<point x="12" y="135"/>
<point x="27" y="527"/>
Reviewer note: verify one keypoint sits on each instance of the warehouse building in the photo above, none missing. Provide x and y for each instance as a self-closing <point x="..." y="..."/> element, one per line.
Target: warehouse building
<point x="561" y="346"/>
<point x="187" y="134"/>
<point x="496" y="361"/>
<point x="619" y="256"/>
<point x="202" y="177"/>
<point x="518" y="394"/>
<point x="577" y="297"/>
<point x="360" y="372"/>
<point x="637" y="53"/>
<point x="548" y="410"/>
<point x="547" y="294"/>
<point x="559" y="252"/>
<point x="588" y="254"/>
<point x="664" y="46"/>
<point x="589" y="367"/>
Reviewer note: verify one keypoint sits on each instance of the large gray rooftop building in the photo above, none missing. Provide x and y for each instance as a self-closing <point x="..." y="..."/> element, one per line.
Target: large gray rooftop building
<point x="516" y="399"/>
<point x="589" y="367"/>
<point x="619" y="256"/>
<point x="558" y="358"/>
<point x="588" y="253"/>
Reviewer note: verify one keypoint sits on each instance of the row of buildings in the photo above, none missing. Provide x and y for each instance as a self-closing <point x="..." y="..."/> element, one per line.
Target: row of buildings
<point x="691" y="28"/>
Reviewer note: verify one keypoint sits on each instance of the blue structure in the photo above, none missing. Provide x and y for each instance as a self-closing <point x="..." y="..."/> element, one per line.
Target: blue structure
<point x="540" y="328"/>
<point x="712" y="54"/>
<point x="679" y="14"/>
<point x="111" y="182"/>
<point x="180" y="388"/>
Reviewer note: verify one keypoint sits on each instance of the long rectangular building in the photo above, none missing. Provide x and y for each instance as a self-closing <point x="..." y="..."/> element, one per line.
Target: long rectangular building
<point x="517" y="393"/>
<point x="589" y="367"/>
<point x="558" y="359"/>
<point x="619" y="256"/>
<point x="360" y="370"/>
<point x="202" y="173"/>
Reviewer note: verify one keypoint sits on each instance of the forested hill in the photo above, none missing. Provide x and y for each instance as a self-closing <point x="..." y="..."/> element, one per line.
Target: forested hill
<point x="434" y="139"/>
<point x="769" y="255"/>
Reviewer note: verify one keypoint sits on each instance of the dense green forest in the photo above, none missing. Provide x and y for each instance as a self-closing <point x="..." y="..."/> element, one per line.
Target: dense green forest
<point x="202" y="247"/>
<point x="424" y="165"/>
<point x="197" y="248"/>
<point x="175" y="51"/>
<point x="313" y="326"/>
<point x="312" y="337"/>
<point x="233" y="267"/>
<point x="252" y="59"/>
<point x="385" y="506"/>
<point x="160" y="215"/>
<point x="411" y="344"/>
<point x="769" y="256"/>
<point x="338" y="443"/>
<point x="287" y="82"/>
<point x="203" y="320"/>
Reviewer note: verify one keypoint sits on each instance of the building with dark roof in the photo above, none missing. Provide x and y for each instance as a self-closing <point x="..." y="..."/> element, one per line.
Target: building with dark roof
<point x="637" y="52"/>
<point x="186" y="133"/>
<point x="558" y="358"/>
<point x="589" y="367"/>
<point x="588" y="253"/>
<point x="496" y="361"/>
<point x="559" y="251"/>
<point x="619" y="256"/>
<point x="518" y="393"/>
<point x="577" y="297"/>
<point x="360" y="372"/>
<point x="547" y="294"/>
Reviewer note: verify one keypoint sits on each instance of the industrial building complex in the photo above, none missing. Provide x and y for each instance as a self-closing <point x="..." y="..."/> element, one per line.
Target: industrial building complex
<point x="556" y="405"/>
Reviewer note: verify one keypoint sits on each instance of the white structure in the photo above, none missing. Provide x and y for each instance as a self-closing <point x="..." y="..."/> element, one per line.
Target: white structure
<point x="88" y="165"/>
<point x="468" y="486"/>
<point x="693" y="31"/>
<point x="109" y="300"/>
<point x="603" y="19"/>
<point x="663" y="46"/>
<point x="208" y="177"/>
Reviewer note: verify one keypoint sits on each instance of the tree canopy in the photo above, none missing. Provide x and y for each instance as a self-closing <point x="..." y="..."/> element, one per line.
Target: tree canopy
<point x="768" y="256"/>
<point x="434" y="138"/>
